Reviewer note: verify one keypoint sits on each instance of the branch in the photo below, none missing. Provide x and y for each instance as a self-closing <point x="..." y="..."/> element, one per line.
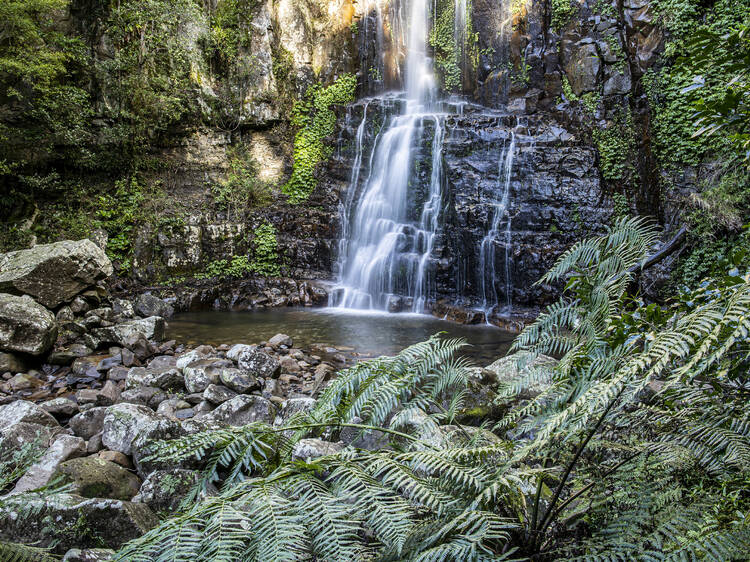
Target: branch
<point x="668" y="249"/>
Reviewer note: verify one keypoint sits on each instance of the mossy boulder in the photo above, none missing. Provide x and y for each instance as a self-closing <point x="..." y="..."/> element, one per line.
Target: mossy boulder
<point x="94" y="477"/>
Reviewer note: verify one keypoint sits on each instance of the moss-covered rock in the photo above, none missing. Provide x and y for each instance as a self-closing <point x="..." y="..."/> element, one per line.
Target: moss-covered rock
<point x="93" y="477"/>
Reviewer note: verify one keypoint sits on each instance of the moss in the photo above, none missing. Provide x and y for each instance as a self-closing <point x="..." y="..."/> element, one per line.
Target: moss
<point x="560" y="13"/>
<point x="615" y="145"/>
<point x="446" y="52"/>
<point x="316" y="120"/>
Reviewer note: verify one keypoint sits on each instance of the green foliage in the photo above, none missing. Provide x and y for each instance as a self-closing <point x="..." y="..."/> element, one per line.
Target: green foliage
<point x="560" y="13"/>
<point x="235" y="267"/>
<point x="241" y="189"/>
<point x="265" y="251"/>
<point x="315" y="118"/>
<point x="616" y="147"/>
<point x="447" y="53"/>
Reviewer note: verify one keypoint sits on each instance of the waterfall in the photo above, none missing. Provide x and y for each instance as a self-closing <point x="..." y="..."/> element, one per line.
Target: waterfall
<point x="386" y="254"/>
<point x="487" y="273"/>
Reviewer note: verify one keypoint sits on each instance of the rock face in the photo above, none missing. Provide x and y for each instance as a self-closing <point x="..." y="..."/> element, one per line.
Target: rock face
<point x="54" y="273"/>
<point x="25" y="326"/>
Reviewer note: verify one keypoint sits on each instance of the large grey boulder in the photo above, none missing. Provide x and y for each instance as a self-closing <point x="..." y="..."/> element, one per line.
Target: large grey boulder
<point x="23" y="411"/>
<point x="64" y="447"/>
<point x="204" y="372"/>
<point x="244" y="409"/>
<point x="88" y="555"/>
<point x="88" y="423"/>
<point x="54" y="273"/>
<point x="151" y="328"/>
<point x="94" y="477"/>
<point x="256" y="362"/>
<point x="309" y="449"/>
<point x="508" y="369"/>
<point x="25" y="326"/>
<point x="124" y="422"/>
<point x="163" y="490"/>
<point x="149" y="305"/>
<point x="23" y="434"/>
<point x="64" y="521"/>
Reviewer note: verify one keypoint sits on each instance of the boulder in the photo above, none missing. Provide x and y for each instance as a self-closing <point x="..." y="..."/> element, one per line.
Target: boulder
<point x="94" y="477"/>
<point x="238" y="380"/>
<point x="143" y="447"/>
<point x="60" y="407"/>
<point x="54" y="273"/>
<point x="258" y="363"/>
<point x="25" y="326"/>
<point x="10" y="363"/>
<point x="293" y="406"/>
<point x="163" y="490"/>
<point x="23" y="411"/>
<point x="308" y="449"/>
<point x="89" y="555"/>
<point x="124" y="422"/>
<point x="243" y="409"/>
<point x="508" y="369"/>
<point x="64" y="521"/>
<point x="203" y="372"/>
<point x="151" y="328"/>
<point x="149" y="305"/>
<point x="238" y="349"/>
<point x="582" y="69"/>
<point x="63" y="447"/>
<point x="22" y="434"/>
<point x="217" y="394"/>
<point x="280" y="339"/>
<point x="88" y="423"/>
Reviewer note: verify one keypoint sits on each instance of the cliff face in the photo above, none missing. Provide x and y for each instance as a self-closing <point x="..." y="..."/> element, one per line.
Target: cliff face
<point x="570" y="74"/>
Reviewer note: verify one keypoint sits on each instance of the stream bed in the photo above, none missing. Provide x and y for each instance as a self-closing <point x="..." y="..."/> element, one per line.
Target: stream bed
<point x="356" y="334"/>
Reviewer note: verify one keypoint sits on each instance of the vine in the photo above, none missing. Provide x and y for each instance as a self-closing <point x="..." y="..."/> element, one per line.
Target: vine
<point x="265" y="251"/>
<point x="316" y="120"/>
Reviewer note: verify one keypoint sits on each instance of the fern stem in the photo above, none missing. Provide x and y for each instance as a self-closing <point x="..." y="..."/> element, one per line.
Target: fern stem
<point x="357" y="426"/>
<point x="548" y="518"/>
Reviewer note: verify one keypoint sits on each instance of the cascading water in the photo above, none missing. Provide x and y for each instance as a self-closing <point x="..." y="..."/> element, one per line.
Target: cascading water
<point x="384" y="253"/>
<point x="487" y="273"/>
<point x="393" y="211"/>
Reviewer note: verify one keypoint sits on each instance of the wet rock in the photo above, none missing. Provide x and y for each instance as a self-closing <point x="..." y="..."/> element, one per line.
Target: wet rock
<point x="88" y="555"/>
<point x="280" y="340"/>
<point x="124" y="308"/>
<point x="26" y="412"/>
<point x="60" y="407"/>
<point x="54" y="273"/>
<point x="63" y="447"/>
<point x="218" y="394"/>
<point x="25" y="326"/>
<point x="151" y="328"/>
<point x="309" y="449"/>
<point x="94" y="477"/>
<point x="124" y="422"/>
<point x="60" y="518"/>
<point x="238" y="380"/>
<point x="149" y="305"/>
<point x="88" y="423"/>
<point x="582" y="69"/>
<point x="243" y="409"/>
<point x="163" y="490"/>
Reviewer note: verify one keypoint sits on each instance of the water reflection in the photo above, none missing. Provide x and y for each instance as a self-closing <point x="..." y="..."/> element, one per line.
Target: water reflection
<point x="369" y="334"/>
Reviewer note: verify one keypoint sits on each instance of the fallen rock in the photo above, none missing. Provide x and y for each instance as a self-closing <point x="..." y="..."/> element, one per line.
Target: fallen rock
<point x="313" y="448"/>
<point x="89" y="423"/>
<point x="94" y="477"/>
<point x="54" y="273"/>
<point x="10" y="363"/>
<point x="124" y="422"/>
<point x="89" y="555"/>
<point x="217" y="394"/>
<point x="18" y="435"/>
<point x="151" y="328"/>
<point x="203" y="372"/>
<point x="238" y="380"/>
<point x="508" y="369"/>
<point x="163" y="490"/>
<point x="23" y="411"/>
<point x="25" y="326"/>
<point x="242" y="410"/>
<point x="60" y="521"/>
<point x="63" y="447"/>
<point x="280" y="339"/>
<point x="258" y="363"/>
<point x="293" y="406"/>
<point x="60" y="407"/>
<point x="149" y="305"/>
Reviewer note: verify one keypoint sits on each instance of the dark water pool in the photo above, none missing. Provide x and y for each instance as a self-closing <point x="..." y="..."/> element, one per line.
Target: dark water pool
<point x="366" y="334"/>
